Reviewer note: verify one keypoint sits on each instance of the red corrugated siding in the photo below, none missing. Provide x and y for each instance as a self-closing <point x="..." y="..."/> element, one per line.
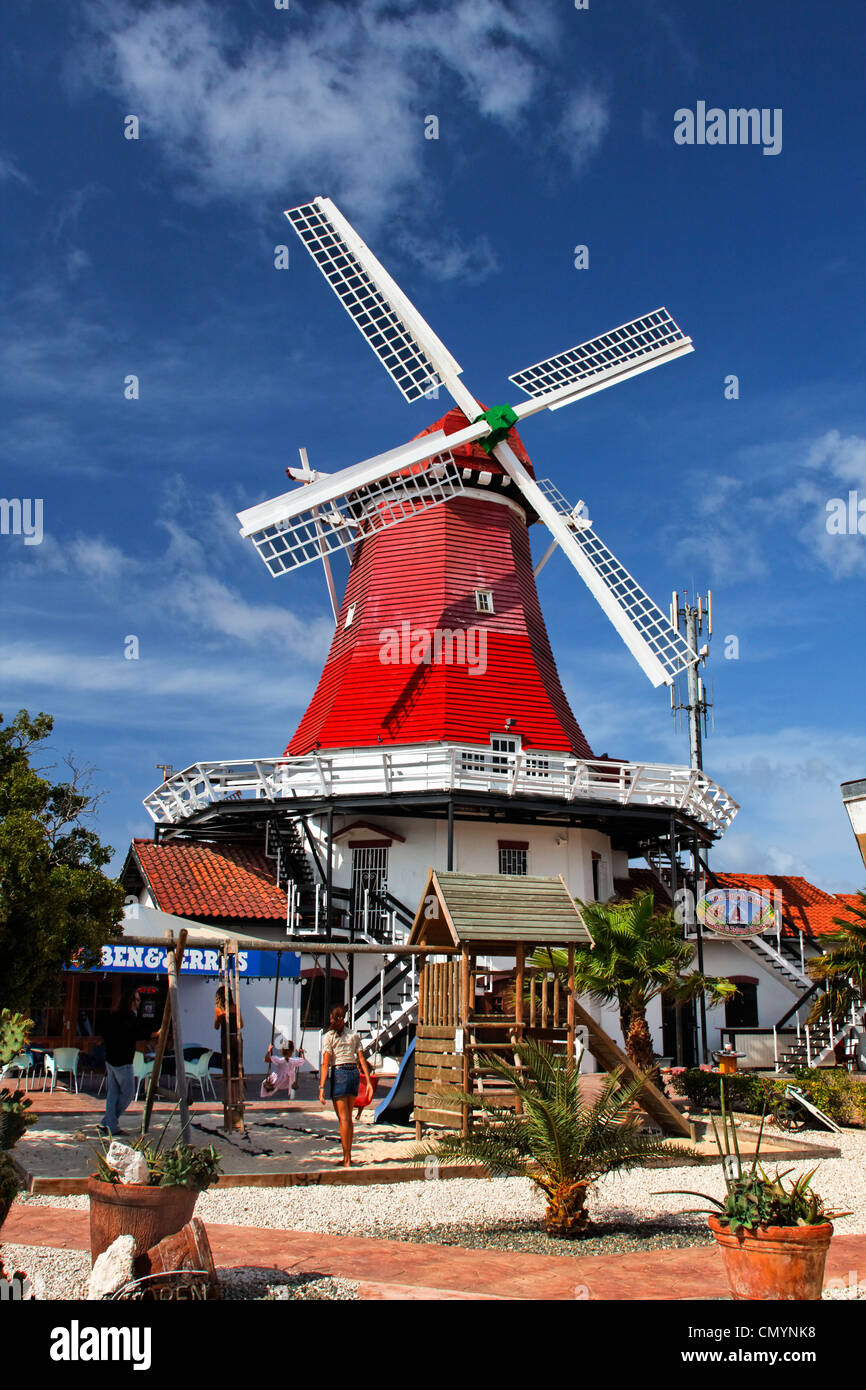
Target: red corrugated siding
<point x="425" y="571"/>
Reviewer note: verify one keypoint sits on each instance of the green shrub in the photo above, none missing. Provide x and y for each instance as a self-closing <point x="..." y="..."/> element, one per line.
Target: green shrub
<point x="835" y="1091"/>
<point x="744" y="1092"/>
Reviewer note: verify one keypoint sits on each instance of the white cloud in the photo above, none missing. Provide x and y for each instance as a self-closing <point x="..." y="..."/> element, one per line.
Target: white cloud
<point x="447" y="258"/>
<point x="583" y="127"/>
<point x="787" y="781"/>
<point x="337" y="104"/>
<point x="835" y="466"/>
<point x="10" y="173"/>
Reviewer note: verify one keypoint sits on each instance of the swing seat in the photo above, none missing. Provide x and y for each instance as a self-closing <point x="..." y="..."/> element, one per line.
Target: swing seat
<point x="365" y="1094"/>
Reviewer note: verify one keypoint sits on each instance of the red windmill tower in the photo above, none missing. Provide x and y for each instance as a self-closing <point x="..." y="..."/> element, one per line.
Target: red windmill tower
<point x="439" y="732"/>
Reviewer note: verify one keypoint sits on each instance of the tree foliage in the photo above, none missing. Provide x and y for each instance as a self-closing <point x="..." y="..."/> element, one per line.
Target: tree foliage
<point x="638" y="954"/>
<point x="56" y="904"/>
<point x="842" y="968"/>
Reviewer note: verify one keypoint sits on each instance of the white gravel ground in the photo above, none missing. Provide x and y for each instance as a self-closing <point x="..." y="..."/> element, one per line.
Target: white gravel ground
<point x="387" y="1209"/>
<point x="391" y="1209"/>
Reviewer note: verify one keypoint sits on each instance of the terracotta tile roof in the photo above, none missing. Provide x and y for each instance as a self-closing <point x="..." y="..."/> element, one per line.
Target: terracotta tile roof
<point x="201" y="880"/>
<point x="809" y="908"/>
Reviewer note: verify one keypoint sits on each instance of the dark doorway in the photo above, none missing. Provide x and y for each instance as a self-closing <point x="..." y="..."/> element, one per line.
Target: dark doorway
<point x="689" y="1033"/>
<point x="741" y="1011"/>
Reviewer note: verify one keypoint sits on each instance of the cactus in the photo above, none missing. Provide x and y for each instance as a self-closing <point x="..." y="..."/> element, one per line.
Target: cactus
<point x="14" y="1029"/>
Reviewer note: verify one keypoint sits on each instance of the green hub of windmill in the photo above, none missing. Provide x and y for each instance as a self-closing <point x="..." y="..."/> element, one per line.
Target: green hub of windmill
<point x="501" y="419"/>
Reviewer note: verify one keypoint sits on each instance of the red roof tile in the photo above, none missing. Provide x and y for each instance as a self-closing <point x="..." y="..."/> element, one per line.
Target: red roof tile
<point x="202" y="880"/>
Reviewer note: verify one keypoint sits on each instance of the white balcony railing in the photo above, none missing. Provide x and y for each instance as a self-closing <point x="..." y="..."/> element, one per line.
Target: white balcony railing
<point x="442" y="767"/>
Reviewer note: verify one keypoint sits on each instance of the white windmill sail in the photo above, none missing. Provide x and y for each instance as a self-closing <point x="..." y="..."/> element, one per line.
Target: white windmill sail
<point x="644" y="628"/>
<point x="416" y="359"/>
<point x="634" y="347"/>
<point x="404" y="343"/>
<point x="301" y="527"/>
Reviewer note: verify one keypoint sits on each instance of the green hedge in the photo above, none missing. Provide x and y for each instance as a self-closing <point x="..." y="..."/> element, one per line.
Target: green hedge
<point x="838" y="1093"/>
<point x="742" y="1092"/>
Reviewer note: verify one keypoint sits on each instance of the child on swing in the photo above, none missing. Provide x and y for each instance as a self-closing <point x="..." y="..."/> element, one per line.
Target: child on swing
<point x="282" y="1071"/>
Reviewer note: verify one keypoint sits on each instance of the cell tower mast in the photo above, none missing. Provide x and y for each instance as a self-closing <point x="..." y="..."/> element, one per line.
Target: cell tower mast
<point x="689" y="619"/>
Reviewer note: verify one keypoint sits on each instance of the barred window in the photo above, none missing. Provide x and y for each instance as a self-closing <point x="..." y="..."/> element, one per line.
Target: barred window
<point x="513" y="861"/>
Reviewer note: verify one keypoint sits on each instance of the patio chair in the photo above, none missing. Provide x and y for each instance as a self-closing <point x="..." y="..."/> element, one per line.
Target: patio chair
<point x="93" y="1064"/>
<point x="62" y="1062"/>
<point x="23" y="1063"/>
<point x="142" y="1070"/>
<point x="198" y="1070"/>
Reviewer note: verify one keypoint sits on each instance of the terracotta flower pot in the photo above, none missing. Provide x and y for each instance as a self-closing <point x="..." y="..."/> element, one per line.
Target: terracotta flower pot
<point x="134" y="1209"/>
<point x="783" y="1263"/>
<point x="188" y="1249"/>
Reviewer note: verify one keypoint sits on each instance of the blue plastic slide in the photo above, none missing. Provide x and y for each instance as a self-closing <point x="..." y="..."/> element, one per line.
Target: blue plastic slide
<point x="397" y="1106"/>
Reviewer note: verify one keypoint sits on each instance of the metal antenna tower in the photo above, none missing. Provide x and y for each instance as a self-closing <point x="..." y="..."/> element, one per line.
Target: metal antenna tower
<point x="690" y="619"/>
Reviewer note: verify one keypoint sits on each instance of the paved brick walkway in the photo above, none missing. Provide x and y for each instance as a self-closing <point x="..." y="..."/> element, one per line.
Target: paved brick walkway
<point x="390" y="1269"/>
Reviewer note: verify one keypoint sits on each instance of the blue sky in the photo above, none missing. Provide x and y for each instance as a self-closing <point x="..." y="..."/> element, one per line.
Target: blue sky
<point x="155" y="257"/>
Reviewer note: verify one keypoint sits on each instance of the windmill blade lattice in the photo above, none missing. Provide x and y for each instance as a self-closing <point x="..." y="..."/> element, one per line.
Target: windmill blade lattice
<point x="645" y="618"/>
<point x="650" y="340"/>
<point x="309" y="535"/>
<point x="405" y="345"/>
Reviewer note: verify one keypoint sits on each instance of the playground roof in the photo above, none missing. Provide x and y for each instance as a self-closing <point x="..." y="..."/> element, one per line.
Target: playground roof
<point x="497" y="910"/>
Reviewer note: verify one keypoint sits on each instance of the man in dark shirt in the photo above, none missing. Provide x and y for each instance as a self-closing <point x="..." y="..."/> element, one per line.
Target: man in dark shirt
<point x="121" y="1034"/>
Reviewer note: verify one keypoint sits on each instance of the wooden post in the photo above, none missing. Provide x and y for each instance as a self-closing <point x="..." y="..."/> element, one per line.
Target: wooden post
<point x="464" y="1007"/>
<point x="233" y="1095"/>
<point x="519" y="978"/>
<point x="165" y="1027"/>
<point x="571" y="1006"/>
<point x="177" y="1039"/>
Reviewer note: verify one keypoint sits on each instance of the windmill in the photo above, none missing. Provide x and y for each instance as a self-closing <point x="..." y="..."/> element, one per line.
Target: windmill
<point x="332" y="512"/>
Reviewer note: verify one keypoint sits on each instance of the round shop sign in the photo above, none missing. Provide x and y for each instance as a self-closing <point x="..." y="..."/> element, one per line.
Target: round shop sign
<point x="736" y="912"/>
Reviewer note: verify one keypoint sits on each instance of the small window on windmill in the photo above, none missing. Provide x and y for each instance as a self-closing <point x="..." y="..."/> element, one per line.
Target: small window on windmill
<point x="484" y="600"/>
<point x="350" y="613"/>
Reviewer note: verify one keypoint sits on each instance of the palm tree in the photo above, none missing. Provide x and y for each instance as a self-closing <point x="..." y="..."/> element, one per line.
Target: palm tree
<point x="638" y="954"/>
<point x="843" y="967"/>
<point x="560" y="1140"/>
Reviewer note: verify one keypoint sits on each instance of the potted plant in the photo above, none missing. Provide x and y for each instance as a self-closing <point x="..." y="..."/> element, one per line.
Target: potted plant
<point x="150" y="1210"/>
<point x="14" y="1105"/>
<point x="773" y="1236"/>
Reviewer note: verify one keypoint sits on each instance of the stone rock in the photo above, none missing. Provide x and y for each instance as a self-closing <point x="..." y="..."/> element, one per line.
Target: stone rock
<point x="113" y="1268"/>
<point x="131" y="1166"/>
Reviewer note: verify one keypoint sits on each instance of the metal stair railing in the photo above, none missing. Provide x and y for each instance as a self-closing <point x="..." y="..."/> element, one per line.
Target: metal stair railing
<point x="787" y="968"/>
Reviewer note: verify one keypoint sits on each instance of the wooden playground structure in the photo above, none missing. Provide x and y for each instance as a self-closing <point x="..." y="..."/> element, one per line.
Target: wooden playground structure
<point x="465" y="1013"/>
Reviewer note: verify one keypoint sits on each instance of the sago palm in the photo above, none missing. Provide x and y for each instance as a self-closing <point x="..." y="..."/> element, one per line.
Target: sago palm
<point x="561" y="1140"/>
<point x="843" y="966"/>
<point x="638" y="954"/>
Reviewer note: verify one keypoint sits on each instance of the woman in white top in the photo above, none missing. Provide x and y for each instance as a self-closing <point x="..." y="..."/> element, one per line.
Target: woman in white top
<point x="341" y="1050"/>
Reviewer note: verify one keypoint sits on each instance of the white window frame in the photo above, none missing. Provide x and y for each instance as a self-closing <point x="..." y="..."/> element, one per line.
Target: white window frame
<point x="484" y="601"/>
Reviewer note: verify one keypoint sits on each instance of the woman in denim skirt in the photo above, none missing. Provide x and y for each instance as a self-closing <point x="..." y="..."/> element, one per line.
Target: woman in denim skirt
<point x="341" y="1052"/>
